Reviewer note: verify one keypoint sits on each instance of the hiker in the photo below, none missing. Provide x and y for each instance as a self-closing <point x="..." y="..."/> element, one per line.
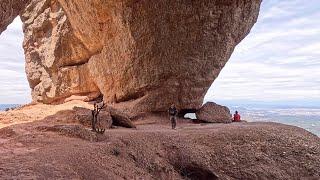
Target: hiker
<point x="236" y="117"/>
<point x="173" y="113"/>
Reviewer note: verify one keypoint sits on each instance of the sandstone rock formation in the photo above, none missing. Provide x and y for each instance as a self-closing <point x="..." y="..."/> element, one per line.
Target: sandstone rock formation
<point x="9" y="9"/>
<point x="214" y="113"/>
<point x="119" y="118"/>
<point x="57" y="148"/>
<point x="149" y="53"/>
<point x="84" y="116"/>
<point x="107" y="117"/>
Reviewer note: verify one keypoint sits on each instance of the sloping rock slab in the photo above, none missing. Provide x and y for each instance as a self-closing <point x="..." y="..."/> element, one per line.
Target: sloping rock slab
<point x="214" y="113"/>
<point x="119" y="118"/>
<point x="84" y="116"/>
<point x="75" y="131"/>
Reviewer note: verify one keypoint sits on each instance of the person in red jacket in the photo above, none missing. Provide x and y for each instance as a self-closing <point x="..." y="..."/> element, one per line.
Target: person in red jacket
<point x="236" y="117"/>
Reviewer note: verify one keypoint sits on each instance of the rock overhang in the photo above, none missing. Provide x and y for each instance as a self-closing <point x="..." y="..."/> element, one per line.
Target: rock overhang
<point x="144" y="55"/>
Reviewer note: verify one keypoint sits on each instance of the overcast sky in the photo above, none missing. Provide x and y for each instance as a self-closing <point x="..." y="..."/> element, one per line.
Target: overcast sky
<point x="279" y="60"/>
<point x="14" y="87"/>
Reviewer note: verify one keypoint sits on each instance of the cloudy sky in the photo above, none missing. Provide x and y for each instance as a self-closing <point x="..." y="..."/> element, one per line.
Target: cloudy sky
<point x="14" y="88"/>
<point x="278" y="61"/>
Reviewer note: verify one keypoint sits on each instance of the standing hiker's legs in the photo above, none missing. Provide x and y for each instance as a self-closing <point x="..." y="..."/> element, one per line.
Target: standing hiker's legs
<point x="173" y="122"/>
<point x="93" y="121"/>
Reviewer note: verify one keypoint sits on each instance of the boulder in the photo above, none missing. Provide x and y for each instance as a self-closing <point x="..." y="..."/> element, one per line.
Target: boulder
<point x="84" y="116"/>
<point x="120" y="118"/>
<point x="132" y="52"/>
<point x="214" y="113"/>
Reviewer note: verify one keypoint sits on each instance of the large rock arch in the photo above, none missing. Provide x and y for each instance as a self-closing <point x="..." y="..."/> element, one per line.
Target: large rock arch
<point x="144" y="54"/>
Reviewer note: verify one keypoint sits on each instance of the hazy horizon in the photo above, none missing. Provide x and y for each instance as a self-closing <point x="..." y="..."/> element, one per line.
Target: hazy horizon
<point x="277" y="63"/>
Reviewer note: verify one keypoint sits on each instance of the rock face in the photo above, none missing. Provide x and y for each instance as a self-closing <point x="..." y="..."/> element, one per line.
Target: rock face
<point x="214" y="113"/>
<point x="55" y="58"/>
<point x="119" y="118"/>
<point x="84" y="116"/>
<point x="9" y="9"/>
<point x="133" y="52"/>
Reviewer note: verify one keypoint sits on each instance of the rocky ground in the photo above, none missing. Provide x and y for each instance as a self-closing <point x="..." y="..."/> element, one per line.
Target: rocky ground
<point x="41" y="142"/>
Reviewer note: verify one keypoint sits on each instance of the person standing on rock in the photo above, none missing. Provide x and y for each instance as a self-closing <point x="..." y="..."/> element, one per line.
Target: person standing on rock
<point x="173" y="115"/>
<point x="236" y="117"/>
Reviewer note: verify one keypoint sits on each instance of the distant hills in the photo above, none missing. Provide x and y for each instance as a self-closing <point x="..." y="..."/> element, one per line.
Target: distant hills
<point x="270" y="104"/>
<point x="5" y="106"/>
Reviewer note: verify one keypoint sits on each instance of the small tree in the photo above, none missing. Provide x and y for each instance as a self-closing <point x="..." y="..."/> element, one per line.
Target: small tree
<point x="95" y="113"/>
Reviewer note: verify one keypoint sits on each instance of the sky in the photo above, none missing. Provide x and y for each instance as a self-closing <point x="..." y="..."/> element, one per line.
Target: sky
<point x="279" y="61"/>
<point x="14" y="87"/>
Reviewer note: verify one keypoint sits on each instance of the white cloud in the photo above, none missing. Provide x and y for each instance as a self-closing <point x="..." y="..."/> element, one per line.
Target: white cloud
<point x="14" y="88"/>
<point x="279" y="60"/>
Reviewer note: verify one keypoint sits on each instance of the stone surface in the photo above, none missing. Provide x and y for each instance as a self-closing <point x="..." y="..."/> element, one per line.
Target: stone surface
<point x="84" y="116"/>
<point x="57" y="148"/>
<point x="144" y="54"/>
<point x="119" y="118"/>
<point x="214" y="113"/>
<point x="74" y="130"/>
<point x="55" y="58"/>
<point x="10" y="9"/>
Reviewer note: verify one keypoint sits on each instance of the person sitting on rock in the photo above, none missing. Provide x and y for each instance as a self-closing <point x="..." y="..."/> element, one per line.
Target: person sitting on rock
<point x="173" y="113"/>
<point x="236" y="117"/>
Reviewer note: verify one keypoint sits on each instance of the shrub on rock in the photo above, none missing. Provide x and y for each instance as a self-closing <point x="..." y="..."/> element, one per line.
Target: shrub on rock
<point x="84" y="116"/>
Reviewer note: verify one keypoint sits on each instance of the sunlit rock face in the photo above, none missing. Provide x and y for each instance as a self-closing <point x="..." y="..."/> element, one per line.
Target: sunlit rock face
<point x="144" y="55"/>
<point x="55" y="58"/>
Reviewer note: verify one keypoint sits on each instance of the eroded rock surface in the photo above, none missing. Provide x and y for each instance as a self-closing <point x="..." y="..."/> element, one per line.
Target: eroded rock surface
<point x="55" y="58"/>
<point x="214" y="113"/>
<point x="120" y="118"/>
<point x="9" y="9"/>
<point x="144" y="54"/>
<point x="84" y="116"/>
<point x="60" y="148"/>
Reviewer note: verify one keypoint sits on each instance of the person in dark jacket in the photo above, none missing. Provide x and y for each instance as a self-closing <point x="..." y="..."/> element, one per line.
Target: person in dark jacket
<point x="173" y="115"/>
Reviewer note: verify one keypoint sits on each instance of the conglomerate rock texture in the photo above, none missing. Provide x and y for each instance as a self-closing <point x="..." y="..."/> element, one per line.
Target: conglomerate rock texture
<point x="9" y="9"/>
<point x="214" y="113"/>
<point x="143" y="54"/>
